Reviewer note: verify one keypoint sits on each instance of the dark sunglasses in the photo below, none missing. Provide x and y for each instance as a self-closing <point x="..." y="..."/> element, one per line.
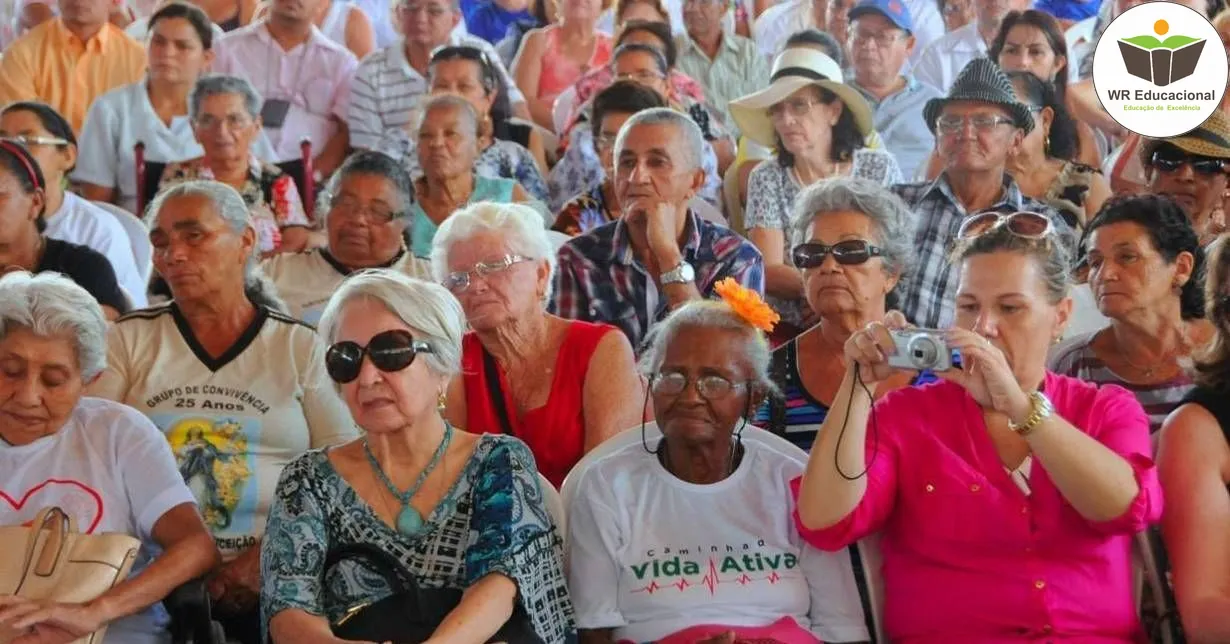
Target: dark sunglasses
<point x="389" y="351"/>
<point x="847" y="253"/>
<point x="1170" y="160"/>
<point x="1029" y="225"/>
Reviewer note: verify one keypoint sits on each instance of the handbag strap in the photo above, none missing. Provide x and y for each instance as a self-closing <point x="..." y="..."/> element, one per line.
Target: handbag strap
<point x="382" y="563"/>
<point x="61" y="525"/>
<point x="494" y="391"/>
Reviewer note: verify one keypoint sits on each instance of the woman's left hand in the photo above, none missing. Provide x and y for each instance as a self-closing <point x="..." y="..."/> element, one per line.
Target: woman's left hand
<point x="986" y="374"/>
<point x="236" y="585"/>
<point x="48" y="622"/>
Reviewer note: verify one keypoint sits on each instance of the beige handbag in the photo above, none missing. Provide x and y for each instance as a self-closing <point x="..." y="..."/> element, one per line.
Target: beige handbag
<point x="50" y="559"/>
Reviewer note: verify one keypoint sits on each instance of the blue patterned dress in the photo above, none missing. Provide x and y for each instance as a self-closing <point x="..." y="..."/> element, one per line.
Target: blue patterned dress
<point x="493" y="520"/>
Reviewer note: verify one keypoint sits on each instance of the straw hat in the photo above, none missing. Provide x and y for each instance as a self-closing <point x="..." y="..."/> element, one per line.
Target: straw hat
<point x="793" y="70"/>
<point x="1210" y="139"/>
<point x="982" y="81"/>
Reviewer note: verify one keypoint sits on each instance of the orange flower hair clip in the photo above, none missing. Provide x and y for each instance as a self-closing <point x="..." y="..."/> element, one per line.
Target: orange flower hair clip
<point x="747" y="304"/>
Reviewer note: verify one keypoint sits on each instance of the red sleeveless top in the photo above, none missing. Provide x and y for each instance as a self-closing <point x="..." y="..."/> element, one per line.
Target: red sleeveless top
<point x="555" y="432"/>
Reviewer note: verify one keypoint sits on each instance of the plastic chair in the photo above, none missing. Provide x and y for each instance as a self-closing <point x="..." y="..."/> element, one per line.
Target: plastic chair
<point x="138" y="237"/>
<point x="555" y="505"/>
<point x="562" y="108"/>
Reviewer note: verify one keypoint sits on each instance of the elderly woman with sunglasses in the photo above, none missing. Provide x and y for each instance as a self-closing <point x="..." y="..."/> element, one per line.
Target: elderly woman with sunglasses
<point x="855" y="245"/>
<point x="367" y="211"/>
<point x="237" y="386"/>
<point x="562" y="386"/>
<point x="686" y="537"/>
<point x="1192" y="170"/>
<point x="459" y="516"/>
<point x="1006" y="498"/>
<point x="1145" y="272"/>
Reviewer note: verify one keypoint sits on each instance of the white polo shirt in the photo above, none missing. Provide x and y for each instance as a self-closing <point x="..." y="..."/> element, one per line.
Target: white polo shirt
<point x="80" y="222"/>
<point x="314" y="76"/>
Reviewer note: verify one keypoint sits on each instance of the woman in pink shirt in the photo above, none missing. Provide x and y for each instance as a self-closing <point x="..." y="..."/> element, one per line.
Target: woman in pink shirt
<point x="1006" y="497"/>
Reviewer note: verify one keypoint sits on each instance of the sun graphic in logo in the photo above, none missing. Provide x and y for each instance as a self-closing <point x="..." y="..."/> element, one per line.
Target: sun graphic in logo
<point x="1161" y="27"/>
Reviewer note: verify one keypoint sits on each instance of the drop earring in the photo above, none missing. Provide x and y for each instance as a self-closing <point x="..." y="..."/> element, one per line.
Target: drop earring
<point x="441" y="401"/>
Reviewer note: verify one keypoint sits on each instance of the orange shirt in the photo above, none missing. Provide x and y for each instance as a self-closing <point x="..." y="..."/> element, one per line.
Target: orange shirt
<point x="52" y="65"/>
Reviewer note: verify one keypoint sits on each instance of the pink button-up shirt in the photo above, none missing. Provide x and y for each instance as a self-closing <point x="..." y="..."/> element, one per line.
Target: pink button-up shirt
<point x="968" y="557"/>
<point x="314" y="77"/>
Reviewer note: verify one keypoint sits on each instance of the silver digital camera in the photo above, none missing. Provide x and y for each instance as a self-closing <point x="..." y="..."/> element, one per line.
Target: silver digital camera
<point x="920" y="349"/>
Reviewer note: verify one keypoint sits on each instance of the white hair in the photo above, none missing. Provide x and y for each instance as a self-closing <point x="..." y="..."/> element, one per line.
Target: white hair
<point x="709" y="314"/>
<point x="518" y="225"/>
<point x="693" y="138"/>
<point x="423" y="306"/>
<point x="892" y="220"/>
<point x="222" y="85"/>
<point x="50" y="305"/>
<point x="231" y="207"/>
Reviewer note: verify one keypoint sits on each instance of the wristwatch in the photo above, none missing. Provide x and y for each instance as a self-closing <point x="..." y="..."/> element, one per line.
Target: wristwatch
<point x="681" y="274"/>
<point x="1040" y="409"/>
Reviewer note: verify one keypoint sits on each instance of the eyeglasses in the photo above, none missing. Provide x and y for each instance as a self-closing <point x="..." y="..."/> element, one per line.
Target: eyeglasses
<point x="351" y="208"/>
<point x="1170" y="160"/>
<point x="883" y="39"/>
<point x="231" y="122"/>
<point x="847" y="253"/>
<point x="30" y="141"/>
<point x="389" y="351"/>
<point x="950" y="124"/>
<point x="459" y="281"/>
<point x="673" y="383"/>
<point x="1029" y="225"/>
<point x="643" y="77"/>
<point x="796" y="107"/>
<point x="432" y="10"/>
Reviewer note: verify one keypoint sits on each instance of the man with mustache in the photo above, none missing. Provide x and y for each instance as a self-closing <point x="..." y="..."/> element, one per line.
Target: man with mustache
<point x="633" y="271"/>
<point x="975" y="127"/>
<point x="1191" y="169"/>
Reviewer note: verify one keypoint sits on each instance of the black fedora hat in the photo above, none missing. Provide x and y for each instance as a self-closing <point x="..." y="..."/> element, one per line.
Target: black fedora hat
<point x="982" y="81"/>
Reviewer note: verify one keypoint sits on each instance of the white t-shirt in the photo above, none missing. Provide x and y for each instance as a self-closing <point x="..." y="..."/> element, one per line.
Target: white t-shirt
<point x="112" y="470"/>
<point x="306" y="281"/>
<point x="234" y="421"/>
<point x="940" y="63"/>
<point x="651" y="555"/>
<point x="81" y="222"/>
<point x="116" y="122"/>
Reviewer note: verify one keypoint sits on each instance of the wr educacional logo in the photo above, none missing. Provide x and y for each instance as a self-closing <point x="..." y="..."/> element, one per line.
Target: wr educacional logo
<point x="1151" y="73"/>
<point x="1161" y="62"/>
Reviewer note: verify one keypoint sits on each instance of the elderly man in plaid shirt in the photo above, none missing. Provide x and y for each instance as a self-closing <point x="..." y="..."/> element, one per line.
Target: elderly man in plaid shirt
<point x="975" y="127"/>
<point x="659" y="254"/>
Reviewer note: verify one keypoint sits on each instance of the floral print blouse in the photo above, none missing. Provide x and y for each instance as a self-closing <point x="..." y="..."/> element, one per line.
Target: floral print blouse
<point x="493" y="520"/>
<point x="271" y="195"/>
<point x="583" y="213"/>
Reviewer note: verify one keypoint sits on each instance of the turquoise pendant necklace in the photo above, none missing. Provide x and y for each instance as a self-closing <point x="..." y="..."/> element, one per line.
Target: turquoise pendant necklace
<point x="409" y="522"/>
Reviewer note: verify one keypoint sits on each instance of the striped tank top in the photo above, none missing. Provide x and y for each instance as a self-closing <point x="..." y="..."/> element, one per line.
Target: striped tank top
<point x="1075" y="357"/>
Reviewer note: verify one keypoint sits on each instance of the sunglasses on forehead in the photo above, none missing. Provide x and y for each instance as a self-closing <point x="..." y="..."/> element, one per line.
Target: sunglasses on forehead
<point x="389" y="351"/>
<point x="1029" y="225"/>
<point x="848" y="253"/>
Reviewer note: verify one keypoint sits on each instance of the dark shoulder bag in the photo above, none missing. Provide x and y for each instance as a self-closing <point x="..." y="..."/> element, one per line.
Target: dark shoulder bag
<point x="497" y="395"/>
<point x="411" y="614"/>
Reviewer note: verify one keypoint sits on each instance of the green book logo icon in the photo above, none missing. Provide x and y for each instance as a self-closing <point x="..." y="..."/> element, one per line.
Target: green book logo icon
<point x="1159" y="61"/>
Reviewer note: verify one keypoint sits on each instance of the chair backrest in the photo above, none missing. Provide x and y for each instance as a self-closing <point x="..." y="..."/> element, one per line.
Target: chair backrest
<point x="138" y="237"/>
<point x="555" y="505"/>
<point x="561" y="109"/>
<point x="557" y="238"/>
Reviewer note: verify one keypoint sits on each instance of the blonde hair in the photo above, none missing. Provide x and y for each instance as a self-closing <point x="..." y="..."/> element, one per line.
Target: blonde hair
<point x="1212" y="364"/>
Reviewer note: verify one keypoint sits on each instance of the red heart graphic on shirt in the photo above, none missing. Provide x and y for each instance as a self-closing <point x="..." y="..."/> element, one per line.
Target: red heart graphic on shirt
<point x="80" y="501"/>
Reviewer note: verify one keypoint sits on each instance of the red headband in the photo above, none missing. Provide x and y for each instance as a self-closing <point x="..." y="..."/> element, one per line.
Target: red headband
<point x="24" y="157"/>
